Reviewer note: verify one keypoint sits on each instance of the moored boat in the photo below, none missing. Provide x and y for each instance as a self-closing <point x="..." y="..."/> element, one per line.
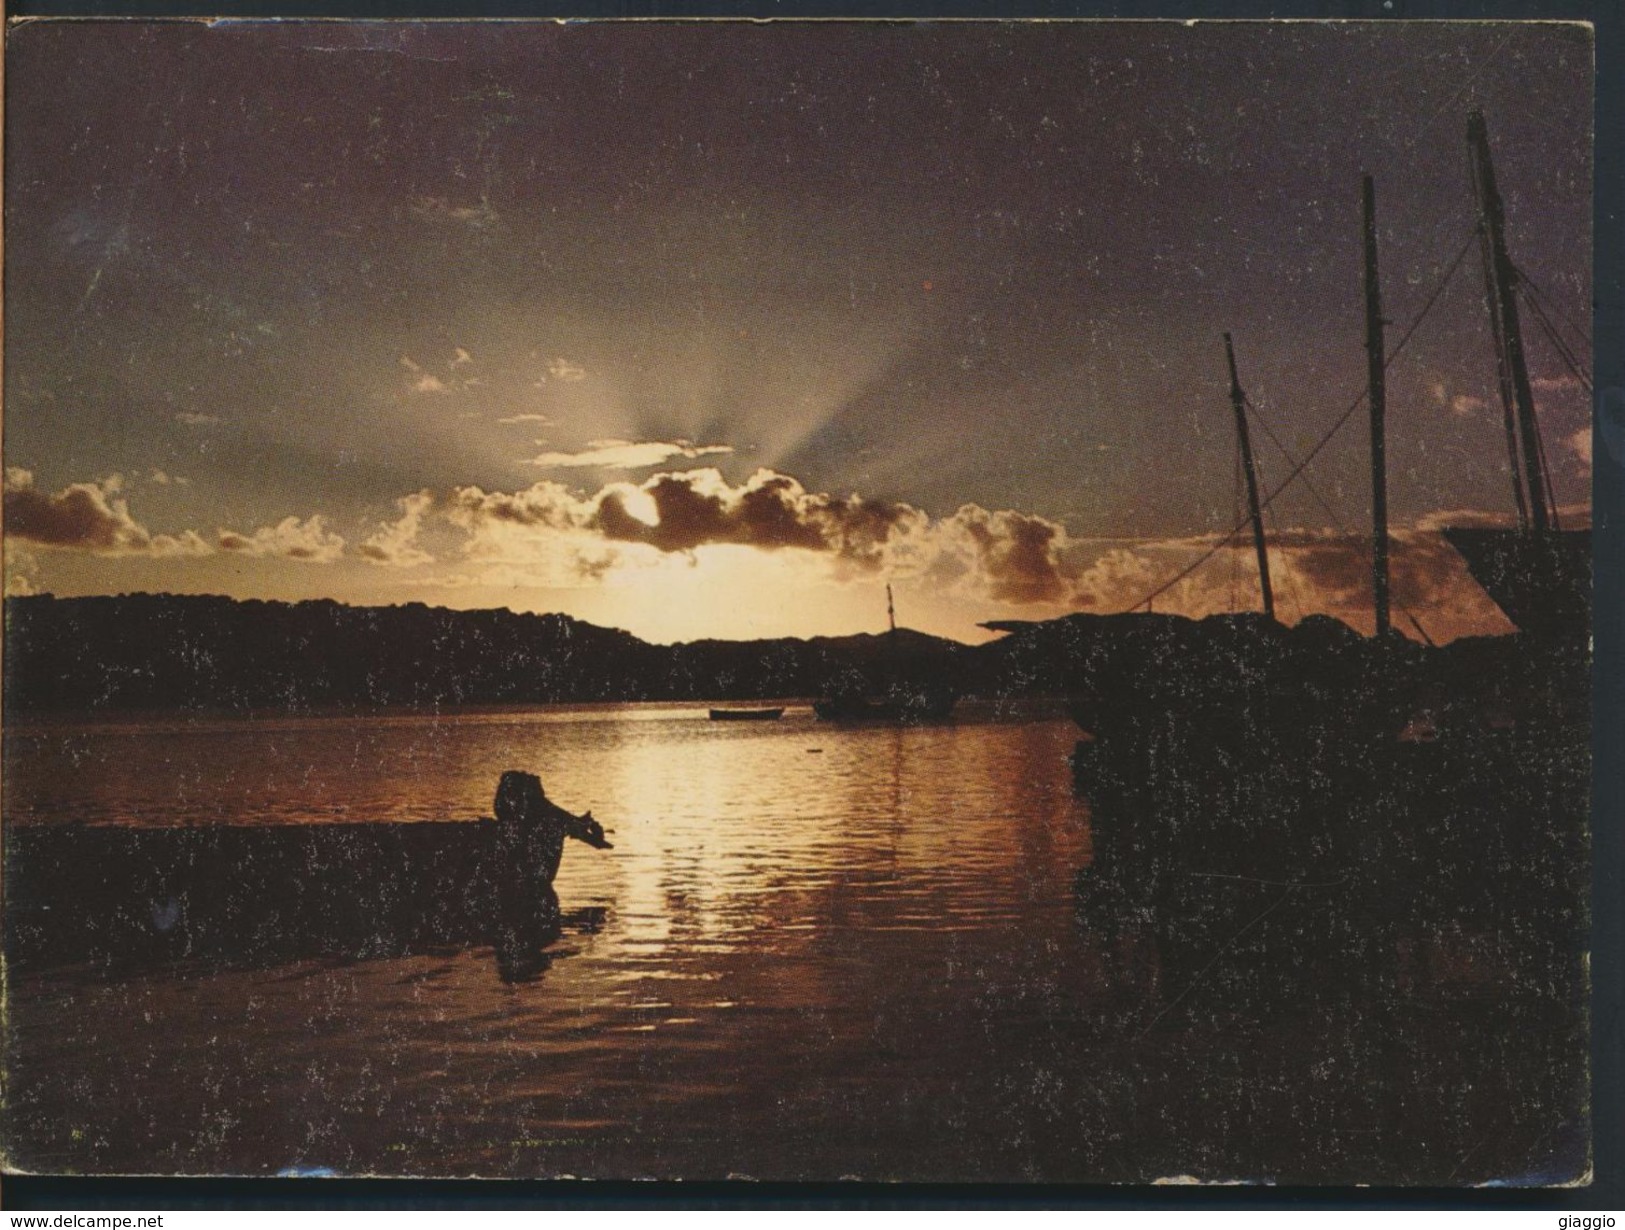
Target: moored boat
<point x="1541" y="581"/>
<point x="1538" y="572"/>
<point x="899" y="700"/>
<point x="746" y="715"/>
<point x="899" y="705"/>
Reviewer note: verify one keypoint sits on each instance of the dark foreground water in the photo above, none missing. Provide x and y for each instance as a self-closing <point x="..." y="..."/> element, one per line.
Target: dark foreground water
<point x="823" y="952"/>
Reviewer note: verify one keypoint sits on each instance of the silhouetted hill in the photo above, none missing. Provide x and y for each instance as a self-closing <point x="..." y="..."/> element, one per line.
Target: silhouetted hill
<point x="1063" y="656"/>
<point x="160" y="651"/>
<point x="790" y="666"/>
<point x="1164" y="663"/>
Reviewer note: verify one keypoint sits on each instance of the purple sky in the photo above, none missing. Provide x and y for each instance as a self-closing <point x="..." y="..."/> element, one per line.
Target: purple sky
<point x="272" y="272"/>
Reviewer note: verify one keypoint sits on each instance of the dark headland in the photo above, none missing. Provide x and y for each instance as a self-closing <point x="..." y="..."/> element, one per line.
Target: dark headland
<point x="202" y="654"/>
<point x="1335" y="882"/>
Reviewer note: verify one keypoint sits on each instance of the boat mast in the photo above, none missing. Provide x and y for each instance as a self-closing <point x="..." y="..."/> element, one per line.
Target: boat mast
<point x="1379" y="463"/>
<point x="1503" y="278"/>
<point x="1503" y="372"/>
<point x="1238" y="399"/>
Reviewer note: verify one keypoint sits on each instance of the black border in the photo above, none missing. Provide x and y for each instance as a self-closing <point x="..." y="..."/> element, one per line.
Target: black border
<point x="27" y="1192"/>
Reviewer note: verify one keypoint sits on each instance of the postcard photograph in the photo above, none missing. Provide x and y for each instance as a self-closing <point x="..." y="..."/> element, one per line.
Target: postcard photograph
<point x="931" y="601"/>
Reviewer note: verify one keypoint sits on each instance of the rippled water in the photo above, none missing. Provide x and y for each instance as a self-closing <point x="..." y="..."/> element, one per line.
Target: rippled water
<point x="815" y="951"/>
<point x="826" y="951"/>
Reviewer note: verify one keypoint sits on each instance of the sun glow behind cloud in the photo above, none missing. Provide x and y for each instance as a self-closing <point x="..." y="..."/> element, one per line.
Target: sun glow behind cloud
<point x="736" y="593"/>
<point x="966" y="336"/>
<point x="689" y="555"/>
<point x="625" y="455"/>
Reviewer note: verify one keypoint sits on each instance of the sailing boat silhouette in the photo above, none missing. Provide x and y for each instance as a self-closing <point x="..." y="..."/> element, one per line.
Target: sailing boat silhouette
<point x="1538" y="573"/>
<point x="897" y="698"/>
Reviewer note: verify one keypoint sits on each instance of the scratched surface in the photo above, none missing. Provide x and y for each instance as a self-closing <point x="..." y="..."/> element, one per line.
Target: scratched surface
<point x="870" y="959"/>
<point x="636" y="342"/>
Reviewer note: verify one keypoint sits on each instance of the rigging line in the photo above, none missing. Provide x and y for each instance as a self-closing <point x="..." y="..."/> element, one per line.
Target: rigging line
<point x="1399" y="347"/>
<point x="1538" y="304"/>
<point x="1219" y="956"/>
<point x="1326" y="439"/>
<point x="1460" y="90"/>
<point x="1326" y="508"/>
<point x="1291" y="582"/>
<point x="1275" y="524"/>
<point x="1546" y="473"/>
<point x="1291" y="460"/>
<point x="1503" y="370"/>
<point x="1525" y="280"/>
<point x="1570" y="360"/>
<point x="1235" y="511"/>
<point x="1585" y="383"/>
<point x="1417" y="624"/>
<point x="1221" y="875"/>
<point x="1410" y="144"/>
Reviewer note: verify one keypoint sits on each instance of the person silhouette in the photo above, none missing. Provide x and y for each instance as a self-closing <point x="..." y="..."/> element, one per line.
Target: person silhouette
<point x="528" y="844"/>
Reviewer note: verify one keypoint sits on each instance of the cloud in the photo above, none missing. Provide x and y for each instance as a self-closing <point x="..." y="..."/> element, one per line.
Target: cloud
<point x="395" y="543"/>
<point x="540" y="419"/>
<point x="1579" y="444"/>
<point x="1312" y="571"/>
<point x="421" y="380"/>
<point x="1118" y="577"/>
<point x="21" y="571"/>
<point x="544" y="505"/>
<point x="307" y="541"/>
<point x="1003" y="557"/>
<point x="1556" y="384"/>
<point x="524" y="539"/>
<point x="1016" y="557"/>
<point x="1428" y="581"/>
<point x="769" y="511"/>
<point x="1572" y="515"/>
<point x="563" y="369"/>
<point x="86" y="517"/>
<point x="680" y="512"/>
<point x="440" y="210"/>
<point x="164" y="479"/>
<point x="1467" y="518"/>
<point x="193" y="419"/>
<point x="187" y="542"/>
<point x="1459" y="404"/>
<point x="625" y="454"/>
<point x="594" y="566"/>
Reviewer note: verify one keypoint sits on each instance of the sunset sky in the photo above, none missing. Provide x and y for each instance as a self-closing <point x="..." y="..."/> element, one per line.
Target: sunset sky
<point x="713" y="329"/>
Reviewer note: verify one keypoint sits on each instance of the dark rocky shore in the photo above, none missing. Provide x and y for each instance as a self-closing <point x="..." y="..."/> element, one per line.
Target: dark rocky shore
<point x="162" y="652"/>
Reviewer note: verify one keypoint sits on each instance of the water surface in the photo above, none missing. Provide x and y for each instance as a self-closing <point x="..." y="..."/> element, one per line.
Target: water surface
<point x="824" y="951"/>
<point x="820" y="945"/>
